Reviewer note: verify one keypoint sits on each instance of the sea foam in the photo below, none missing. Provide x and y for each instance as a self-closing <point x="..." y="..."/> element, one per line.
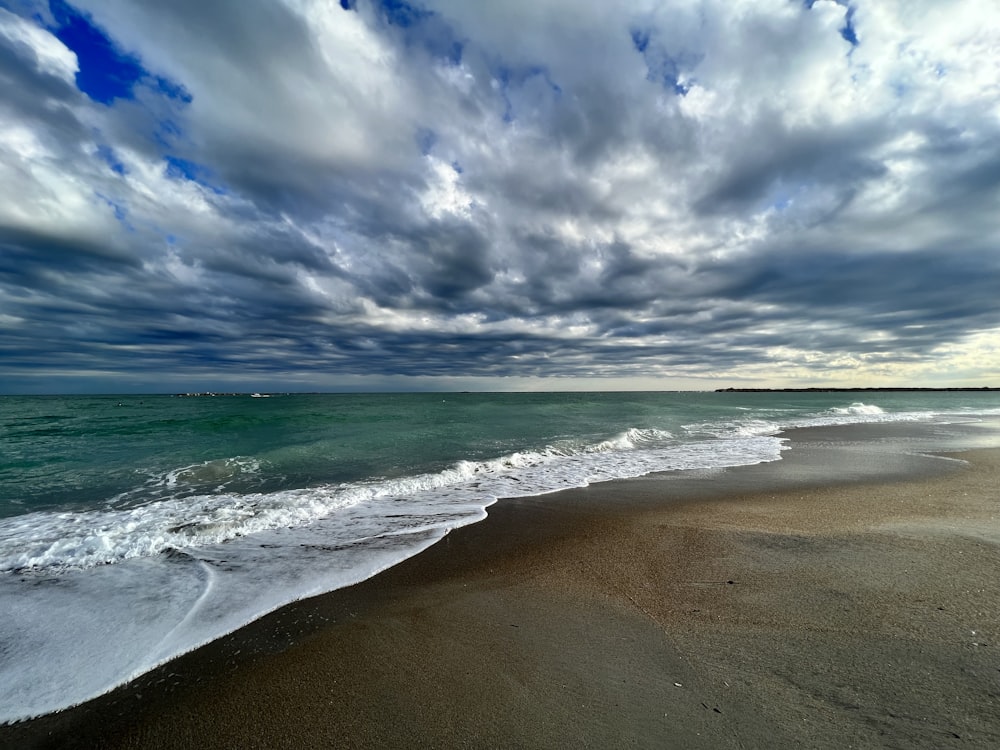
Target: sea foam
<point x="40" y="541"/>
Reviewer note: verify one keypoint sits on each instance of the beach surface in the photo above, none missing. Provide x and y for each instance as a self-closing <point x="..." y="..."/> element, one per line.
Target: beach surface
<point x="845" y="596"/>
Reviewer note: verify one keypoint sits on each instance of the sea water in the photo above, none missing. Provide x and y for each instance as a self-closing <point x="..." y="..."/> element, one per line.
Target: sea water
<point x="135" y="528"/>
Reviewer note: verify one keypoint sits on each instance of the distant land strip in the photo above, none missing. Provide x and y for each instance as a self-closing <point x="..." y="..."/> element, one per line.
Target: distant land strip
<point x="847" y="390"/>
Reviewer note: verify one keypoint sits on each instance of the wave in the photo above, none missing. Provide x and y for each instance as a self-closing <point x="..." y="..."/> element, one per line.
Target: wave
<point x="190" y="506"/>
<point x="858" y="409"/>
<point x="855" y="413"/>
<point x="859" y="413"/>
<point x="206" y="477"/>
<point x="634" y="437"/>
<point x="85" y="539"/>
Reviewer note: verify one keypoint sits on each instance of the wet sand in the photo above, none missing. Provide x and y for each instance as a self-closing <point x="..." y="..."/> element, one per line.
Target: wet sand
<point x="845" y="596"/>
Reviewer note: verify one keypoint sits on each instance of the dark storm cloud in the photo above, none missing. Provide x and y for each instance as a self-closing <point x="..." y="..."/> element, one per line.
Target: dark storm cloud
<point x="923" y="296"/>
<point x="31" y="254"/>
<point x="774" y="162"/>
<point x="523" y="189"/>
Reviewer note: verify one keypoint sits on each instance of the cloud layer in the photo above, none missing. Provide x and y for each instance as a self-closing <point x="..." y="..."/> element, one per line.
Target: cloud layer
<point x="314" y="194"/>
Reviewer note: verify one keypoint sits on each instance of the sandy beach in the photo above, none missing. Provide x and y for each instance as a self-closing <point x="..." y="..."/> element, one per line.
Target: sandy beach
<point x="845" y="596"/>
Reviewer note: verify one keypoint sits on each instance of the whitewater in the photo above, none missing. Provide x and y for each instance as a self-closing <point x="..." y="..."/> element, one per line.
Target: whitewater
<point x="130" y="537"/>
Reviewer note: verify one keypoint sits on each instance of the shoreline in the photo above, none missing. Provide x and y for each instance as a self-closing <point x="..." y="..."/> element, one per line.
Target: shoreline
<point x="580" y="610"/>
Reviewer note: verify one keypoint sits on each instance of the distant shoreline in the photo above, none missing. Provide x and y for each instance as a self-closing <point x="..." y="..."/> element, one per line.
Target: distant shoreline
<point x="851" y="390"/>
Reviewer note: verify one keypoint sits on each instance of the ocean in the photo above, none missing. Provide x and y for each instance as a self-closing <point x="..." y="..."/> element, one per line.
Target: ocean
<point x="136" y="528"/>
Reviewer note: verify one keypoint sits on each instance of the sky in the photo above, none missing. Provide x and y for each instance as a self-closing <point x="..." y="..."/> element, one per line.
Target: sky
<point x="516" y="194"/>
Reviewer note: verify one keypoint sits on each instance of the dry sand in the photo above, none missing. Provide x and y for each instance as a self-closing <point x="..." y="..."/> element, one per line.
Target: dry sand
<point x="756" y="608"/>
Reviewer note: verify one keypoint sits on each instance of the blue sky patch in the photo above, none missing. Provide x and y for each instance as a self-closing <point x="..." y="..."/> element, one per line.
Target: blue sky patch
<point x="107" y="155"/>
<point x="667" y="72"/>
<point x="537" y="70"/>
<point x="401" y="13"/>
<point x="640" y="39"/>
<point x="184" y="169"/>
<point x="121" y="213"/>
<point x="781" y="199"/>
<point x="106" y="73"/>
<point x="670" y="78"/>
<point x="508" y="77"/>
<point x="421" y="28"/>
<point x="662" y="67"/>
<point x="847" y="31"/>
<point x="172" y="90"/>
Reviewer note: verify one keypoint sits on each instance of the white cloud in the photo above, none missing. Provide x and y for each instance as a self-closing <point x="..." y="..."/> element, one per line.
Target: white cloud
<point x="301" y="81"/>
<point x="561" y="187"/>
<point x="51" y="55"/>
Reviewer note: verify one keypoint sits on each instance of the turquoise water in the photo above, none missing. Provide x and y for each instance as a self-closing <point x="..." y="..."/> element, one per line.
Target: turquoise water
<point x="170" y="521"/>
<point x="78" y="452"/>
